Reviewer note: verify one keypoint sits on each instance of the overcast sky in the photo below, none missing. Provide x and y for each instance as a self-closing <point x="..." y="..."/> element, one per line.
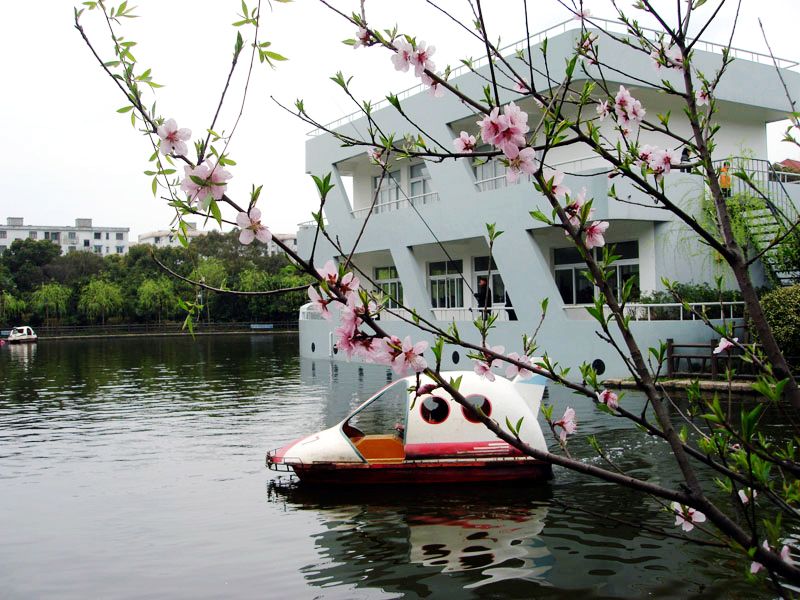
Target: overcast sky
<point x="68" y="154"/>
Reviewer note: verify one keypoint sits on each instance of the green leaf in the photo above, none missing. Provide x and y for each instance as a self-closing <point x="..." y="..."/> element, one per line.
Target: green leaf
<point x="124" y="109"/>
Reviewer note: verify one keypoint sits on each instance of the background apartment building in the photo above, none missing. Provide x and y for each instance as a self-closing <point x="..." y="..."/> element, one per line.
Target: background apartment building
<point x="82" y="237"/>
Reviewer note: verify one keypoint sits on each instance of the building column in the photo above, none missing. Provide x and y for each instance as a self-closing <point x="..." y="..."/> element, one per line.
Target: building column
<point x="415" y="289"/>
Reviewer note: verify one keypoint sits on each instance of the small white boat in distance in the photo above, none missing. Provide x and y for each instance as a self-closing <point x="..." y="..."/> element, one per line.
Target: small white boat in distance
<point x="395" y="437"/>
<point x="22" y="335"/>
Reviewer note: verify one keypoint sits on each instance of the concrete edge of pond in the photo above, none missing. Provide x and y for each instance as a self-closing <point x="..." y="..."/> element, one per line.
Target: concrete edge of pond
<point x="90" y="336"/>
<point x="739" y="387"/>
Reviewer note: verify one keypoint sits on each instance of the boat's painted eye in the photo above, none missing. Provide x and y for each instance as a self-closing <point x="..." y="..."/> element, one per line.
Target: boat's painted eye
<point x="478" y="401"/>
<point x="434" y="410"/>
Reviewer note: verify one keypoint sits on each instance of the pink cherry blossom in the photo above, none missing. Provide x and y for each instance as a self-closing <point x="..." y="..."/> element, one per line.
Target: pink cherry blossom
<point x="434" y="88"/>
<point x="421" y="59"/>
<point x="512" y="134"/>
<point x="602" y="109"/>
<point x="724" y="344"/>
<point x="645" y="154"/>
<point x="251" y="227"/>
<point x="702" y="97"/>
<point x="465" y="142"/>
<point x="320" y="302"/>
<point x="567" y="423"/>
<point x="661" y="162"/>
<point x="583" y="14"/>
<point x="410" y="357"/>
<point x="376" y="156"/>
<point x="383" y="351"/>
<point x="212" y="186"/>
<point x="555" y="178"/>
<point x="513" y="370"/>
<point x="628" y="109"/>
<point x="483" y="369"/>
<point x="575" y="207"/>
<point x="686" y="516"/>
<point x="402" y="57"/>
<point x="594" y="234"/>
<point x="786" y="557"/>
<point x="521" y="86"/>
<point x="525" y="162"/>
<point x="329" y="273"/>
<point x="363" y="37"/>
<point x="490" y="126"/>
<point x="349" y="285"/>
<point x="173" y="140"/>
<point x="747" y="494"/>
<point x="609" y="398"/>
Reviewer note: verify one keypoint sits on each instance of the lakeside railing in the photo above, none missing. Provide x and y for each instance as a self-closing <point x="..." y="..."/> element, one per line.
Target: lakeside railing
<point x="598" y="24"/>
<point x="159" y="328"/>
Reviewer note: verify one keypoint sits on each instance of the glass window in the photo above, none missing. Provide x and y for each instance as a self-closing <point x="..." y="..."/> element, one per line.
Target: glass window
<point x="388" y="282"/>
<point x="490" y="174"/>
<point x="386" y="414"/>
<point x="106" y="235"/>
<point x="2" y="249"/>
<point x="33" y="235"/>
<point x="97" y="235"/>
<point x="72" y="235"/>
<point x="446" y="285"/>
<point x="85" y="243"/>
<point x="98" y="249"/>
<point x="420" y="183"/>
<point x="3" y="234"/>
<point x="478" y="401"/>
<point x="496" y="285"/>
<point x="120" y="249"/>
<point x="434" y="410"/>
<point x="119" y="236"/>
<point x="71" y="248"/>
<point x="575" y="287"/>
<point x="389" y="192"/>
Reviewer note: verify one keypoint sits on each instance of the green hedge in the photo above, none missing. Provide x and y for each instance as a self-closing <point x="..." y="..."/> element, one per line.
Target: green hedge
<point x="782" y="311"/>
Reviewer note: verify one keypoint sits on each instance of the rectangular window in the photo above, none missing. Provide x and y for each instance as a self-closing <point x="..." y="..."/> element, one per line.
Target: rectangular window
<point x="447" y="290"/>
<point x="47" y="235"/>
<point x="55" y="236"/>
<point x="575" y="287"/>
<point x="71" y="248"/>
<point x="420" y="184"/>
<point x="108" y="249"/>
<point x="72" y="235"/>
<point x="388" y="282"/>
<point x="98" y="249"/>
<point x="490" y="174"/>
<point x="85" y="243"/>
<point x="3" y="234"/>
<point x="119" y="236"/>
<point x="120" y="249"/>
<point x="33" y="235"/>
<point x="97" y="235"/>
<point x="495" y="284"/>
<point x="107" y="235"/>
<point x="2" y="249"/>
<point x="388" y="193"/>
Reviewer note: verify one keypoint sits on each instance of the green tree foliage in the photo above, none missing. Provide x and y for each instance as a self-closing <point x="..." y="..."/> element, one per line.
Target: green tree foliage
<point x="10" y="306"/>
<point x="51" y="301"/>
<point x="156" y="297"/>
<point x="218" y="259"/>
<point x="100" y="298"/>
<point x="782" y="310"/>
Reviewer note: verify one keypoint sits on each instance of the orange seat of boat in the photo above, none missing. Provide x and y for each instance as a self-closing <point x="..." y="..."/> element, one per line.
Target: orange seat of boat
<point x="381" y="448"/>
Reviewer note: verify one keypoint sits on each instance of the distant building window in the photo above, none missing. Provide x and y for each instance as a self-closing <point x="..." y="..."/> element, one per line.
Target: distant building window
<point x="33" y="235"/>
<point x="119" y="236"/>
<point x="495" y="282"/>
<point x="98" y="249"/>
<point x="388" y="189"/>
<point x="2" y="249"/>
<point x="108" y="249"/>
<point x="157" y="240"/>
<point x="71" y="248"/>
<point x="420" y="183"/>
<point x="490" y="174"/>
<point x="120" y="249"/>
<point x="106" y="235"/>
<point x="72" y="235"/>
<point x="97" y="235"/>
<point x="446" y="286"/>
<point x="389" y="283"/>
<point x="3" y="234"/>
<point x="572" y="284"/>
<point x="85" y="243"/>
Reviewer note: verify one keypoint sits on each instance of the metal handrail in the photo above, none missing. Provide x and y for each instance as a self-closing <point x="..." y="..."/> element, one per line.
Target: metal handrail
<point x="434" y="196"/>
<point x="536" y="38"/>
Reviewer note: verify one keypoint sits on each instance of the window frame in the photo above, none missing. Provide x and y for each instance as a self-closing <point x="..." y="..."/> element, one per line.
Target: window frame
<point x="391" y="286"/>
<point x="449" y="280"/>
<point x="578" y="268"/>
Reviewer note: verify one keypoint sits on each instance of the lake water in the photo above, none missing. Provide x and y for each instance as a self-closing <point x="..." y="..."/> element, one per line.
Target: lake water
<point x="134" y="468"/>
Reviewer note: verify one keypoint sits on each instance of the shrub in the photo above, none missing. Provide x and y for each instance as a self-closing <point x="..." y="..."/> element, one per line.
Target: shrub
<point x="782" y="311"/>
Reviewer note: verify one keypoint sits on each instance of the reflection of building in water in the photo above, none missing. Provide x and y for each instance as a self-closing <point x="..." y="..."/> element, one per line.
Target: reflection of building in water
<point x="341" y="386"/>
<point x="426" y="541"/>
<point x="22" y="354"/>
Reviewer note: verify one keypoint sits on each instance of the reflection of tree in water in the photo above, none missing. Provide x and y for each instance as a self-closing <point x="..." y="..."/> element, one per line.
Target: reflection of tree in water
<point x="428" y="542"/>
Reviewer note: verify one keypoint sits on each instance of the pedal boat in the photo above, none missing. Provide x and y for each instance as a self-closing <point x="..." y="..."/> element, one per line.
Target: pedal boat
<point x="395" y="437"/>
<point x="22" y="335"/>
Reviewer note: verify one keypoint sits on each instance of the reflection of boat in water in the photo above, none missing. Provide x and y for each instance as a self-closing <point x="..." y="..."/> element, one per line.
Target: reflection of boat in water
<point x="23" y="354"/>
<point x="474" y="537"/>
<point x="396" y="437"/>
<point x="22" y="335"/>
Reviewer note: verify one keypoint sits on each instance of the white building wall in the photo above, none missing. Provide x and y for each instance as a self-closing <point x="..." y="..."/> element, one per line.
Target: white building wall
<point x="83" y="237"/>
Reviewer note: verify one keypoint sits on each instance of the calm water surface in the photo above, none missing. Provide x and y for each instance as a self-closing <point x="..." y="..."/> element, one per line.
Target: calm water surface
<point x="135" y="468"/>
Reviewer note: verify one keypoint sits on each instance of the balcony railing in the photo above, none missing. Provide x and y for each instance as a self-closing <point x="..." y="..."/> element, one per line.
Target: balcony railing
<point x="667" y="311"/>
<point x="573" y="165"/>
<point x="571" y="24"/>
<point x="417" y="201"/>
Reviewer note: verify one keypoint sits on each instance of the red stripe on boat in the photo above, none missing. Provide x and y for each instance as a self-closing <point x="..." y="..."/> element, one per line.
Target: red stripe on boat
<point x="460" y="449"/>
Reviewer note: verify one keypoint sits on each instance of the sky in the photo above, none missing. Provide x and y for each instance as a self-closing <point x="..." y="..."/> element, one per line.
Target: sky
<point x="69" y="154"/>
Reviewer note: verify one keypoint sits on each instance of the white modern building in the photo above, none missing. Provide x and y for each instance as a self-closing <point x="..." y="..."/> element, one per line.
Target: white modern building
<point x="290" y="239"/>
<point x="82" y="237"/>
<point x="426" y="244"/>
<point x="167" y="237"/>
